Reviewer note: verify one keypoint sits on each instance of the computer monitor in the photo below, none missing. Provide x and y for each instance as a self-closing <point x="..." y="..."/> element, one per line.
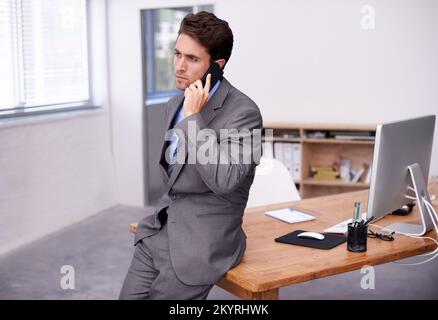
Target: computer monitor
<point x="400" y="171"/>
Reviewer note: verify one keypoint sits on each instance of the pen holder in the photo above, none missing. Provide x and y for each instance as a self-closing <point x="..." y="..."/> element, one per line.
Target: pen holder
<point x="357" y="238"/>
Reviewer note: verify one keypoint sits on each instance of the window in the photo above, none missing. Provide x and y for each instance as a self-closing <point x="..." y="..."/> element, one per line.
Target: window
<point x="44" y="50"/>
<point x="160" y="30"/>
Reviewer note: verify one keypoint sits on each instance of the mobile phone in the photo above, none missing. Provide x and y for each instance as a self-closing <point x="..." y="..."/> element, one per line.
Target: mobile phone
<point x="216" y="74"/>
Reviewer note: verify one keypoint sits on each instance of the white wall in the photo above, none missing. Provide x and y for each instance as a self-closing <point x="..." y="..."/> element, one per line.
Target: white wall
<point x="310" y="61"/>
<point x="301" y="61"/>
<point x="57" y="169"/>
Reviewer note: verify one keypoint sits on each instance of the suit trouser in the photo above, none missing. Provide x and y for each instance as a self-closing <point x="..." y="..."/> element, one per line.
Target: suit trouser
<point x="151" y="275"/>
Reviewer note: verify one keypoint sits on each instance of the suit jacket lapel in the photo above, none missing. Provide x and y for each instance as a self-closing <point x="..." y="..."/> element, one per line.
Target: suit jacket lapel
<point x="216" y="101"/>
<point x="208" y="113"/>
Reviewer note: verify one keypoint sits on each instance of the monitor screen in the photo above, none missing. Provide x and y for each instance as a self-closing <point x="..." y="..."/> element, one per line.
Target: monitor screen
<point x="399" y="145"/>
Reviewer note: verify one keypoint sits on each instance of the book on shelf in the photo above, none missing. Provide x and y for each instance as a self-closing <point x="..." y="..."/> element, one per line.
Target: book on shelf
<point x="352" y="135"/>
<point x="316" y="134"/>
<point x="333" y="133"/>
<point x="343" y="137"/>
<point x="327" y="175"/>
<point x="324" y="172"/>
<point x="280" y="133"/>
<point x="292" y="134"/>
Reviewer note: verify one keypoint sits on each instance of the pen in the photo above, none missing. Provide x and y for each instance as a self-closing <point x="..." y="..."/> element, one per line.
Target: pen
<point x="368" y="221"/>
<point x="354" y="213"/>
<point x="356" y="216"/>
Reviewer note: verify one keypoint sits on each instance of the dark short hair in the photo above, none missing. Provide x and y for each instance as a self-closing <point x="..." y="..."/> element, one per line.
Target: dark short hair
<point x="211" y="32"/>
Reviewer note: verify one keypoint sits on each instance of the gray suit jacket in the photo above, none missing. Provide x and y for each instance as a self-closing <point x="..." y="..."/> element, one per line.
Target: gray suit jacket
<point x="205" y="202"/>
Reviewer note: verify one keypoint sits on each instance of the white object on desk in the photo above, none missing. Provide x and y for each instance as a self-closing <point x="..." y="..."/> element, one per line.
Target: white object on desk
<point x="342" y="227"/>
<point x="290" y="215"/>
<point x="311" y="235"/>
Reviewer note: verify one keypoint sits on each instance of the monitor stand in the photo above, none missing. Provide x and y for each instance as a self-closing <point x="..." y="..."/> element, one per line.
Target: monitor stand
<point x="420" y="189"/>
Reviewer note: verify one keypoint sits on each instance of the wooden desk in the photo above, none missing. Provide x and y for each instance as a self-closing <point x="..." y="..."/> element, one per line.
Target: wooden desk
<point x="268" y="265"/>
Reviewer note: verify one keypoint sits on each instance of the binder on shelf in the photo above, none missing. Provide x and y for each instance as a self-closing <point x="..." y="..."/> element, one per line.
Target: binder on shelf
<point x="296" y="165"/>
<point x="268" y="149"/>
<point x="287" y="157"/>
<point x="286" y="153"/>
<point x="278" y="151"/>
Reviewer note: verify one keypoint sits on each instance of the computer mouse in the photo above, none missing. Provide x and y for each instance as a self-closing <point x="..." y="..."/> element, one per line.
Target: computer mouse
<point x="404" y="210"/>
<point x="311" y="235"/>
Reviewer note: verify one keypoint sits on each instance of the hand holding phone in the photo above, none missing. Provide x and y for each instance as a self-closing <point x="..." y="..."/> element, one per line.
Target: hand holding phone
<point x="194" y="100"/>
<point x="216" y="75"/>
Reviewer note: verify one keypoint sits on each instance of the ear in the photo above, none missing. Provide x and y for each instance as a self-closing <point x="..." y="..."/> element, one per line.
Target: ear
<point x="221" y="63"/>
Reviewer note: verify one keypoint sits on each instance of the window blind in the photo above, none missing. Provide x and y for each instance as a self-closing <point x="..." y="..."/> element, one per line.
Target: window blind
<point x="45" y="42"/>
<point x="7" y="54"/>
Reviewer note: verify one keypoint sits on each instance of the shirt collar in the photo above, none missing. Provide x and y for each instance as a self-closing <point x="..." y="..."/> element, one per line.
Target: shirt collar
<point x="214" y="89"/>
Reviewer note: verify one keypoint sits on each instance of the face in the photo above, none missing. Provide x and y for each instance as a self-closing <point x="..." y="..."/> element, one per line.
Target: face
<point x="191" y="60"/>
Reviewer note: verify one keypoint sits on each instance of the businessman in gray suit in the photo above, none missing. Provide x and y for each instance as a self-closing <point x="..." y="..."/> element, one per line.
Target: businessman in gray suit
<point x="195" y="235"/>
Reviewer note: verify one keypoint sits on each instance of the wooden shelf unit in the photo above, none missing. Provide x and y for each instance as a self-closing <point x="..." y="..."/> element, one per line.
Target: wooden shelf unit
<point x="334" y="183"/>
<point x="325" y="151"/>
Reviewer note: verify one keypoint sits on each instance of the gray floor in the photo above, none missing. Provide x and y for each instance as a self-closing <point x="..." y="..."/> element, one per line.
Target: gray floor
<point x="100" y="249"/>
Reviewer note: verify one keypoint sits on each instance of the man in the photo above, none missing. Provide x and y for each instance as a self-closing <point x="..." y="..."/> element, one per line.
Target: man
<point x="195" y="235"/>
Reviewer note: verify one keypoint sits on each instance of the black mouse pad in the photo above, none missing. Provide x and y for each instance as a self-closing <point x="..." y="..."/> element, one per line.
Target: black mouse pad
<point x="330" y="240"/>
